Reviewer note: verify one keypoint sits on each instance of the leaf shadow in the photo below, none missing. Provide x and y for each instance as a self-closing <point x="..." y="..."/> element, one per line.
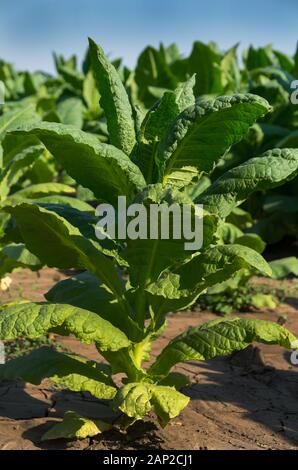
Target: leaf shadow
<point x="34" y="434"/>
<point x="19" y="402"/>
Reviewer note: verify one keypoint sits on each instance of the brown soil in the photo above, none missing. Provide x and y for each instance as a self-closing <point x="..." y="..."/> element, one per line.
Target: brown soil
<point x="246" y="401"/>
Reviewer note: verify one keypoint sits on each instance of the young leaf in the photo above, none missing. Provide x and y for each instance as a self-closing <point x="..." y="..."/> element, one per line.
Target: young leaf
<point x="201" y="134"/>
<point x="134" y="400"/>
<point x="155" y="123"/>
<point x="219" y="338"/>
<point x="113" y="99"/>
<point x="231" y="77"/>
<point x="90" y="93"/>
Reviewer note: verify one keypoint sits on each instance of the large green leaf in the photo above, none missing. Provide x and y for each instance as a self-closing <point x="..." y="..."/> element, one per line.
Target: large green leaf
<point x="84" y="220"/>
<point x="219" y="338"/>
<point x="32" y="320"/>
<point x="73" y="372"/>
<point x="155" y="123"/>
<point x="179" y="289"/>
<point x="59" y="244"/>
<point x="113" y="99"/>
<point x="104" y="169"/>
<point x="201" y="134"/>
<point x="80" y="215"/>
<point x="272" y="169"/>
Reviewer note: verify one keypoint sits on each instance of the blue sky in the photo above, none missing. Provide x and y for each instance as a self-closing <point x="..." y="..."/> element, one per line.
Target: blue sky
<point x="31" y="29"/>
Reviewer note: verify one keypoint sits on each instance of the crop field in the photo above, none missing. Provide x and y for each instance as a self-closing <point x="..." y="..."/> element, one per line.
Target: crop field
<point x="149" y="251"/>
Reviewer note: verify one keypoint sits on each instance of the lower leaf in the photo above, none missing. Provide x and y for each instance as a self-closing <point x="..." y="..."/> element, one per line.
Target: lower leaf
<point x="137" y="399"/>
<point x="75" y="426"/>
<point x="73" y="372"/>
<point x="168" y="403"/>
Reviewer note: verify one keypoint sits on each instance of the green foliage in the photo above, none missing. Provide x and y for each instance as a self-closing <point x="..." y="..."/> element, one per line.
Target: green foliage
<point x="114" y="100"/>
<point x="284" y="267"/>
<point x="65" y="370"/>
<point x="228" y="298"/>
<point x="180" y="151"/>
<point x="193" y="131"/>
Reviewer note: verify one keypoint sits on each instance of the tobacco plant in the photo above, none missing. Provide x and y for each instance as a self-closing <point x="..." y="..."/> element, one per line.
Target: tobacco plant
<point x="120" y="300"/>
